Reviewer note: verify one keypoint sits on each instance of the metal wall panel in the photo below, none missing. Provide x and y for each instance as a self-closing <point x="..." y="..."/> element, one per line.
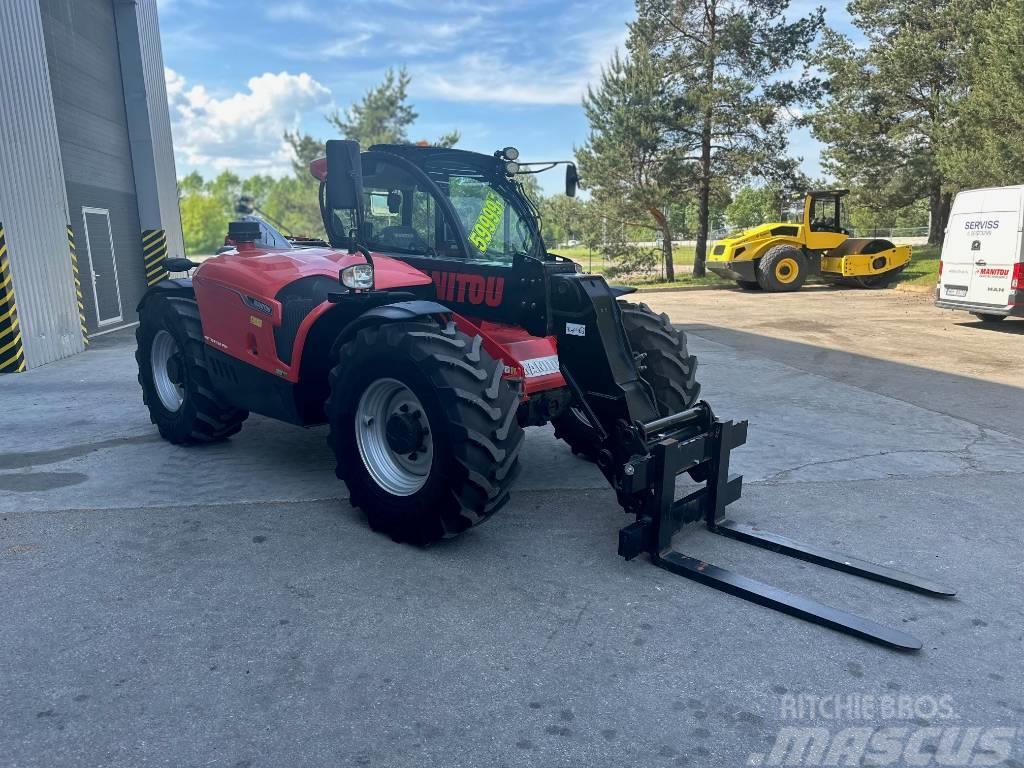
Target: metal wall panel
<point x="92" y="123"/>
<point x="149" y="121"/>
<point x="33" y="205"/>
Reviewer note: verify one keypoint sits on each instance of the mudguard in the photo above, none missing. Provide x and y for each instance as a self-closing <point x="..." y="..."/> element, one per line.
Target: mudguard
<point x="179" y="286"/>
<point x="400" y="311"/>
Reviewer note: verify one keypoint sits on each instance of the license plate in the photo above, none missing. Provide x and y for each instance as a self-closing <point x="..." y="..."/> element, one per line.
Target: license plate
<point x="955" y="290"/>
<point x="540" y="366"/>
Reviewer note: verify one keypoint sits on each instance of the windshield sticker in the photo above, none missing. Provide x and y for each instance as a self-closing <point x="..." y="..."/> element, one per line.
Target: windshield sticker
<point x="487" y="222"/>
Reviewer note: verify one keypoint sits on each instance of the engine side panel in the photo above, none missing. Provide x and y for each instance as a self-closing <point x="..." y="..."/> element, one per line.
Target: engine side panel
<point x="245" y="297"/>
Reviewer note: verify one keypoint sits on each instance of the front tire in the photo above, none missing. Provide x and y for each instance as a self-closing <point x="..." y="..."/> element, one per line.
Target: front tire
<point x="424" y="429"/>
<point x="175" y="381"/>
<point x="667" y="367"/>
<point x="782" y="268"/>
<point x="748" y="285"/>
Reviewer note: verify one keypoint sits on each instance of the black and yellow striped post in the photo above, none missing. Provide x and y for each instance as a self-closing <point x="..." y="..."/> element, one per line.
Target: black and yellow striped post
<point x="12" y="352"/>
<point x="154" y="251"/>
<point x="78" y="285"/>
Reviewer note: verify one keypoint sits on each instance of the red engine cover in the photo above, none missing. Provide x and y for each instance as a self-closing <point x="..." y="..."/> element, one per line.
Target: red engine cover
<point x="232" y="286"/>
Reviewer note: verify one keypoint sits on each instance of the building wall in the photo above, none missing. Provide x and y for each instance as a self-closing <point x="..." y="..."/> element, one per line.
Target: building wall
<point x="33" y="205"/>
<point x="149" y="119"/>
<point x="92" y="124"/>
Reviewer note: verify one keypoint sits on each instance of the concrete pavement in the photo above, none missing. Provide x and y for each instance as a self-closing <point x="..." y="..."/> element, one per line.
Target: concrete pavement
<point x="225" y="606"/>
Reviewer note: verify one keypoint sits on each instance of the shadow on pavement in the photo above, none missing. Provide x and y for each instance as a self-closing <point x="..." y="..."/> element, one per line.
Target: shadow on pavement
<point x="989" y="404"/>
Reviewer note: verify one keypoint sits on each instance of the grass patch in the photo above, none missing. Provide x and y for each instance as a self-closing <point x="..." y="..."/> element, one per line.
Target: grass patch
<point x="593" y="261"/>
<point x="923" y="268"/>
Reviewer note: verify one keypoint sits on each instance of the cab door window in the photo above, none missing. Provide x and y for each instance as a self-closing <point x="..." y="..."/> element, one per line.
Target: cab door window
<point x="401" y="216"/>
<point x="823" y="214"/>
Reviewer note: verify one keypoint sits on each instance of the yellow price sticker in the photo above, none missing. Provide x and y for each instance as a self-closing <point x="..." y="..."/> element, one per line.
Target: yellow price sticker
<point x="487" y="222"/>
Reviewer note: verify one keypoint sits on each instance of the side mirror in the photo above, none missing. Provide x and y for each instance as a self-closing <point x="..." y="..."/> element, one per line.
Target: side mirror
<point x="572" y="180"/>
<point x="344" y="175"/>
<point x="394" y="202"/>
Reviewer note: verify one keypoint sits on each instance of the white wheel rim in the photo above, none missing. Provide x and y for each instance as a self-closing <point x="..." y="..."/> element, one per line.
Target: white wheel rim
<point x="164" y="348"/>
<point x="400" y="474"/>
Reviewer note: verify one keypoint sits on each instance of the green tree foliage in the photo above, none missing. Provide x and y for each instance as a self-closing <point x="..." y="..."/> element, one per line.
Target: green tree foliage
<point x="631" y="160"/>
<point x="725" y="63"/>
<point x="305" y="149"/>
<point x="204" y="223"/>
<point x="983" y="145"/>
<point x="753" y="206"/>
<point x="384" y="115"/>
<point x="889" y="102"/>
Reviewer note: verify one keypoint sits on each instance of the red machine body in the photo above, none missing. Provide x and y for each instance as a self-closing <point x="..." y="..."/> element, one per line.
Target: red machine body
<point x="242" y="295"/>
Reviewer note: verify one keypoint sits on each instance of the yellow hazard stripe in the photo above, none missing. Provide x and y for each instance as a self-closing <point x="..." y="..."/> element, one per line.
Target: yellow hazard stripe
<point x="151" y="234"/>
<point x="10" y="344"/>
<point x="78" y="285"/>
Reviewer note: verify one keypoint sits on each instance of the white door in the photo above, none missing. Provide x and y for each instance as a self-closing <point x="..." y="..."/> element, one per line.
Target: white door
<point x="99" y="241"/>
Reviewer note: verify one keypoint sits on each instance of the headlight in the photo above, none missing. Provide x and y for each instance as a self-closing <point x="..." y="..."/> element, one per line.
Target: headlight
<point x="511" y="168"/>
<point x="510" y="153"/>
<point x="358" y="276"/>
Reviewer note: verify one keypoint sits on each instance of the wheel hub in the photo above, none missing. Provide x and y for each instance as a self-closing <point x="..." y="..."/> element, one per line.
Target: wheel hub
<point x="174" y="369"/>
<point x="393" y="437"/>
<point x="405" y="431"/>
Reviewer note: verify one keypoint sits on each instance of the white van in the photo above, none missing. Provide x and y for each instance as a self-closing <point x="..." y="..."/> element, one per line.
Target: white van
<point x="982" y="264"/>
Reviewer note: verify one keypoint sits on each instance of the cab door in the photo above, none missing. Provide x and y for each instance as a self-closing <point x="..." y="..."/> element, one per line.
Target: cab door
<point x="824" y="223"/>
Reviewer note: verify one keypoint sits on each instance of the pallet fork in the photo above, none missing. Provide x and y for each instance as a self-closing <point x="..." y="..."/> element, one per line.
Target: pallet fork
<point x="643" y="454"/>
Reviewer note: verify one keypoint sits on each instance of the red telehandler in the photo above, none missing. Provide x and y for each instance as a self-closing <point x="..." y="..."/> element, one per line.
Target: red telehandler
<point x="433" y="330"/>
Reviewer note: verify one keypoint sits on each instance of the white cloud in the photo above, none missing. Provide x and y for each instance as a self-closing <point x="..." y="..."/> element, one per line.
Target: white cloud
<point x="242" y="131"/>
<point x="486" y="77"/>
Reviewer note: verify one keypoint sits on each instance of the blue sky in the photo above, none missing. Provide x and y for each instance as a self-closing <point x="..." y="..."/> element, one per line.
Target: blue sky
<point x="510" y="72"/>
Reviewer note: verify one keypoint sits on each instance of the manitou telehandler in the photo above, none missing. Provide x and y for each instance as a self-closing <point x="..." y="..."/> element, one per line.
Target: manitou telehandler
<point x="428" y="335"/>
<point x="815" y="241"/>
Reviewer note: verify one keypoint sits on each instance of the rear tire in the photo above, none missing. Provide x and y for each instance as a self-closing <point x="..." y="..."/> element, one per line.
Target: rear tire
<point x="671" y="372"/>
<point x="986" y="318"/>
<point x="466" y="435"/>
<point x="173" y="374"/>
<point x="782" y="268"/>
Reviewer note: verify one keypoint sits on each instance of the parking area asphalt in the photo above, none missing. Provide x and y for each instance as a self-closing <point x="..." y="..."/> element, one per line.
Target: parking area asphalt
<point x="225" y="606"/>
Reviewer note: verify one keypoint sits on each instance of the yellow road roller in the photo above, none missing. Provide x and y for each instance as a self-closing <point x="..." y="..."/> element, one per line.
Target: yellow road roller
<point x="815" y="241"/>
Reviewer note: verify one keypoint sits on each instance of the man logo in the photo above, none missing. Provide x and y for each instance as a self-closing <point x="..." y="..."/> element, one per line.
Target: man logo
<point x="976" y="245"/>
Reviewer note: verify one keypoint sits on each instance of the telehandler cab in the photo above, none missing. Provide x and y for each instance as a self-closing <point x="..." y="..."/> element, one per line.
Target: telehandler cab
<point x="433" y="330"/>
<point x="815" y="241"/>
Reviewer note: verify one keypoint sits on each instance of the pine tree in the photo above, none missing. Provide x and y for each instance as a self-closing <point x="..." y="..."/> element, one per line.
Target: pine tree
<point x="631" y="161"/>
<point x="384" y="115"/>
<point x="725" y="62"/>
<point x="889" y="103"/>
<point x="983" y="145"/>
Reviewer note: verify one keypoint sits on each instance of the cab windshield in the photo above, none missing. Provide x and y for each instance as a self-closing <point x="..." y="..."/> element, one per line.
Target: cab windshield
<point x="496" y="215"/>
<point x="403" y="214"/>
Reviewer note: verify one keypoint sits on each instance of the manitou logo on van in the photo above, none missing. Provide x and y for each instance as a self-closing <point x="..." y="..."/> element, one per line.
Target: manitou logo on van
<point x="467" y="288"/>
<point x="975" y="225"/>
<point x="993" y="272"/>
